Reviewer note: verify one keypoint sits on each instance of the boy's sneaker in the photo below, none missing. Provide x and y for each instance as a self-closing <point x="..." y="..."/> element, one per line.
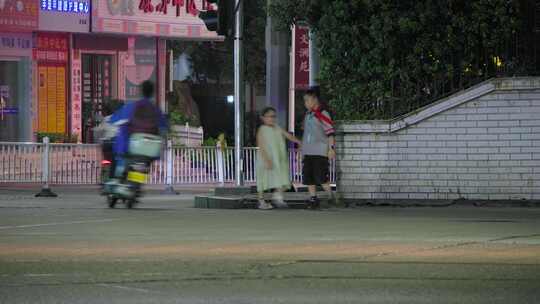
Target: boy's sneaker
<point x="263" y="205"/>
<point x="278" y="200"/>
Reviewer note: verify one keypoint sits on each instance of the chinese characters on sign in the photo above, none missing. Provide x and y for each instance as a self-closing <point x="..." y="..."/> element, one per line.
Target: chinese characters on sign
<point x="15" y="43"/>
<point x="301" y="57"/>
<point x="71" y="16"/>
<point x="18" y="15"/>
<point x="52" y="48"/>
<point x="76" y="91"/>
<point x="82" y="7"/>
<point x="164" y="18"/>
<point x="189" y="5"/>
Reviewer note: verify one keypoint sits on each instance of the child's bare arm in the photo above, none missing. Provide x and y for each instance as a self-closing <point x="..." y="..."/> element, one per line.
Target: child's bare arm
<point x="290" y="137"/>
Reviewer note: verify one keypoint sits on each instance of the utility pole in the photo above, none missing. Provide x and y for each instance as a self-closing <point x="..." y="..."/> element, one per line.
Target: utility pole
<point x="277" y="69"/>
<point x="313" y="60"/>
<point x="239" y="88"/>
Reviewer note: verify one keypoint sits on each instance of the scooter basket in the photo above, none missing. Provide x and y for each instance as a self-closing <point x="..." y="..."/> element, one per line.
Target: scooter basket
<point x="142" y="144"/>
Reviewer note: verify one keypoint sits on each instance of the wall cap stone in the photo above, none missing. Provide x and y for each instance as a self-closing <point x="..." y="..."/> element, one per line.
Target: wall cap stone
<point x="452" y="101"/>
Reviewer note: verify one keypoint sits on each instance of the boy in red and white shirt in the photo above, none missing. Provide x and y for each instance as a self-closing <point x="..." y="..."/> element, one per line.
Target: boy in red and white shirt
<point x="318" y="146"/>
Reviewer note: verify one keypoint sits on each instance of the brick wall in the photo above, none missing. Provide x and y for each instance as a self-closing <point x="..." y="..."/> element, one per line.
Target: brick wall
<point x="483" y="143"/>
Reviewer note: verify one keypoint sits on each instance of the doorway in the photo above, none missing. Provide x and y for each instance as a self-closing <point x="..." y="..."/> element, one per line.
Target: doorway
<point x="15" y="122"/>
<point x="97" y="80"/>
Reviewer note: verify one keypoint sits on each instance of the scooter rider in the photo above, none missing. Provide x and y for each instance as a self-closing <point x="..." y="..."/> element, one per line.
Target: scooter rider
<point x="106" y="132"/>
<point x="141" y="116"/>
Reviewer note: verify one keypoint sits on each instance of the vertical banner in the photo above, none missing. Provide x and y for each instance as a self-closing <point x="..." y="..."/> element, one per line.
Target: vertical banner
<point x="121" y="84"/>
<point x="76" y="97"/>
<point x="34" y="74"/>
<point x="162" y="66"/>
<point x="301" y="57"/>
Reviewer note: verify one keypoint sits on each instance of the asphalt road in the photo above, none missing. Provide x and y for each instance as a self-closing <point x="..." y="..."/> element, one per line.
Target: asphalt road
<point x="73" y="249"/>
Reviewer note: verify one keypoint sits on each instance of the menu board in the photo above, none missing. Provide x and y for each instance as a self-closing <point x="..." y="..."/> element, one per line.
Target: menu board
<point x="51" y="54"/>
<point x="52" y="99"/>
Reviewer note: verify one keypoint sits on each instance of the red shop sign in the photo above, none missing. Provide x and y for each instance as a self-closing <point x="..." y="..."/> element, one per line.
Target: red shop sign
<point x="190" y="6"/>
<point x="19" y="15"/>
<point x="52" y="47"/>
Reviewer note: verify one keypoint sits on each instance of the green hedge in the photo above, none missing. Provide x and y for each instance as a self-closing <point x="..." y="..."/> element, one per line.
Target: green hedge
<point x="57" y="137"/>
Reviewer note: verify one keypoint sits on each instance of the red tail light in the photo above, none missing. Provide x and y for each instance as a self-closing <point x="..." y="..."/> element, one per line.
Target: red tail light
<point x="105" y="162"/>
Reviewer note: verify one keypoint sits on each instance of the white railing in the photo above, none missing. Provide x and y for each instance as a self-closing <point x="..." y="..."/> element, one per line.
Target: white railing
<point x="74" y="164"/>
<point x="21" y="162"/>
<point x="80" y="164"/>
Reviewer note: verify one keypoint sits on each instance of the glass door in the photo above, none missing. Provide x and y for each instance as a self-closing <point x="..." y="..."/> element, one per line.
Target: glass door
<point x="9" y="100"/>
<point x="96" y="91"/>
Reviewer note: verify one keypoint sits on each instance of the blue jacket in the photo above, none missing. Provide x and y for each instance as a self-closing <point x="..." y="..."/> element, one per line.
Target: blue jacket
<point x="122" y="117"/>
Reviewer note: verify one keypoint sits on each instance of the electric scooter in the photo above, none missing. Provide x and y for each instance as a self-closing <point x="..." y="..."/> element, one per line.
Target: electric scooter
<point x="129" y="190"/>
<point x="143" y="149"/>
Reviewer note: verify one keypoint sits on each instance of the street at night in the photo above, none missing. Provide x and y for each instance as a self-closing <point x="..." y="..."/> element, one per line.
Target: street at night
<point x="73" y="249"/>
<point x="269" y="151"/>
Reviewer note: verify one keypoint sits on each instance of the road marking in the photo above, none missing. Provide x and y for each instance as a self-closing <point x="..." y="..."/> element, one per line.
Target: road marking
<point x="125" y="287"/>
<point x="39" y="275"/>
<point x="56" y="224"/>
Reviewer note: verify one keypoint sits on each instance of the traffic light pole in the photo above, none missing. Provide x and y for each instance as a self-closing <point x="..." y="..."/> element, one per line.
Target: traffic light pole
<point x="239" y="88"/>
<point x="313" y="60"/>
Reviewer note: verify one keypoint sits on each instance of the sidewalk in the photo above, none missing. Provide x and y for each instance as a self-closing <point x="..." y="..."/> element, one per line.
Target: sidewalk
<point x="207" y="190"/>
<point x="33" y="188"/>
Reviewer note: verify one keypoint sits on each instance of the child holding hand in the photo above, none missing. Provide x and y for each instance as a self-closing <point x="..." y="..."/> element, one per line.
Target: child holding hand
<point x="272" y="161"/>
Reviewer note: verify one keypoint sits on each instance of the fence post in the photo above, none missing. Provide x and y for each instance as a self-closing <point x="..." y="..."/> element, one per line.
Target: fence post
<point x="221" y="174"/>
<point x="45" y="190"/>
<point x="169" y="163"/>
<point x="188" y="135"/>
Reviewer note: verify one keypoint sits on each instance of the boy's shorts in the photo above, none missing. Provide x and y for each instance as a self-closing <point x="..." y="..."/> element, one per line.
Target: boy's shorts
<point x="315" y="170"/>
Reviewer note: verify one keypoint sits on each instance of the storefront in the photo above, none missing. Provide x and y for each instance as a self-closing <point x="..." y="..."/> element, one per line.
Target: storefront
<point x="96" y="71"/>
<point x="18" y="19"/>
<point x="126" y="47"/>
<point x="15" y="86"/>
<point x="106" y="72"/>
<point x="63" y="63"/>
<point x="59" y="20"/>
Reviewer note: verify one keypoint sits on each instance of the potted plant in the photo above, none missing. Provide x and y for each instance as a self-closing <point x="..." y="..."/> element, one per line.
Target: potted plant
<point x="182" y="130"/>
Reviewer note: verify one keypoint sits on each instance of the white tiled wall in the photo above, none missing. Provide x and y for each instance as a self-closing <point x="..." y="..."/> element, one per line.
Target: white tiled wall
<point x="485" y="148"/>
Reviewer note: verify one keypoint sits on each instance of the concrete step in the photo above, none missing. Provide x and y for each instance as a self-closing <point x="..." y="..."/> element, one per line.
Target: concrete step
<point x="295" y="200"/>
<point x="219" y="202"/>
<point x="234" y="190"/>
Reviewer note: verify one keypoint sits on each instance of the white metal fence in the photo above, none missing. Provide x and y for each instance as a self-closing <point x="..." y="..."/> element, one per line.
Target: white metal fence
<point x="81" y="164"/>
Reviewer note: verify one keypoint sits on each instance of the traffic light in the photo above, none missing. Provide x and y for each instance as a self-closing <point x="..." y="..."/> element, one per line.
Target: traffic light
<point x="219" y="21"/>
